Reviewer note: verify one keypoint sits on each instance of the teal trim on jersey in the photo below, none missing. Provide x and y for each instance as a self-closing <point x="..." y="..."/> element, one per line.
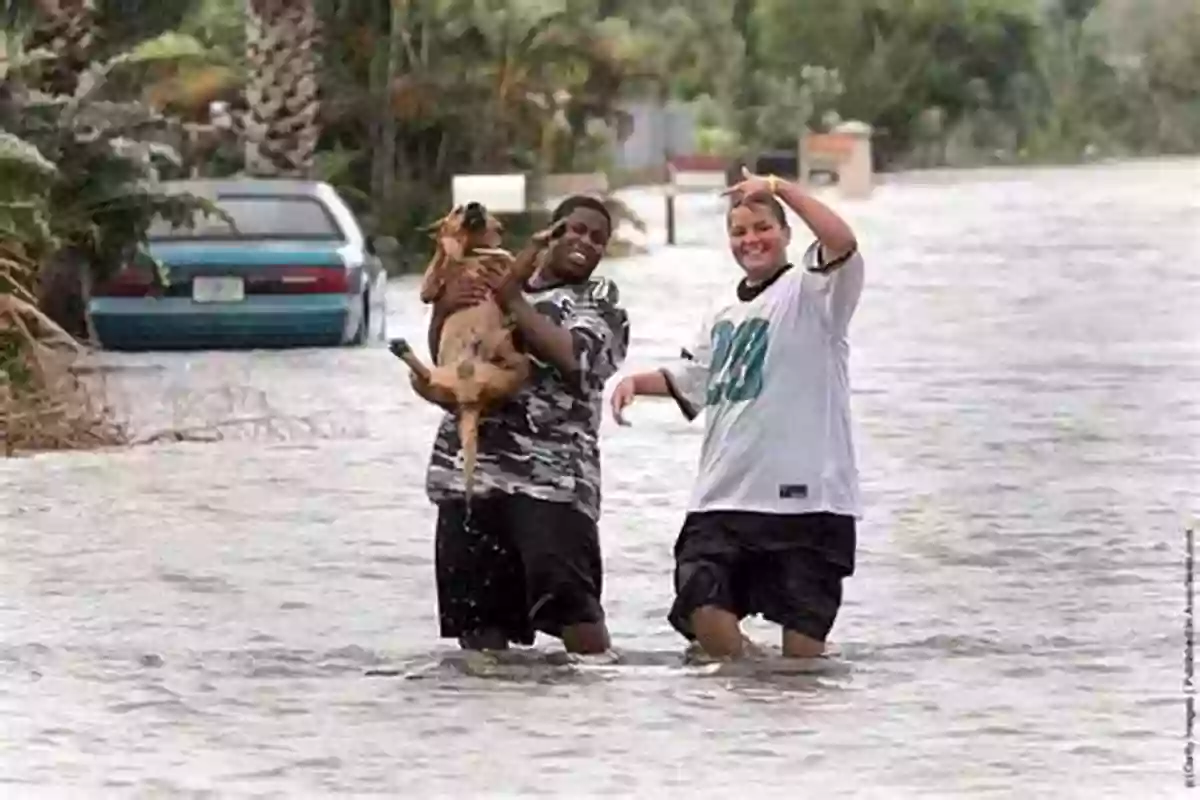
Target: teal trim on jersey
<point x="738" y="357"/>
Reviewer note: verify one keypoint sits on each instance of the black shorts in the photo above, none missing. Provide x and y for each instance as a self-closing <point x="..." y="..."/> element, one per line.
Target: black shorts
<point x="786" y="567"/>
<point x="520" y="565"/>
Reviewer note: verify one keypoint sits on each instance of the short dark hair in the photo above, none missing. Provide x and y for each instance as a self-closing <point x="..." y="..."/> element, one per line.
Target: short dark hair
<point x="564" y="209"/>
<point x="762" y="200"/>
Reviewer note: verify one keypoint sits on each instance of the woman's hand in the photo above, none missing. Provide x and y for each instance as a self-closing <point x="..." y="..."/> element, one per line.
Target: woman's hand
<point x="622" y="396"/>
<point x="835" y="236"/>
<point x="752" y="184"/>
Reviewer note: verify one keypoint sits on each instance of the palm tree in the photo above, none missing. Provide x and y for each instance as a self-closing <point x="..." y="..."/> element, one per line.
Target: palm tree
<point x="281" y="91"/>
<point x="67" y="29"/>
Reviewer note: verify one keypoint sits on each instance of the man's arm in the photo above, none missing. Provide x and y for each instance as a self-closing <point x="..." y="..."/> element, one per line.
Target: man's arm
<point x="436" y="320"/>
<point x="541" y="335"/>
<point x="597" y="328"/>
<point x="548" y="340"/>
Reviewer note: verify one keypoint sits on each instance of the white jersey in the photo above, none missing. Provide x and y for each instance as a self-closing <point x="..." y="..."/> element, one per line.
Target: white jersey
<point x="771" y="374"/>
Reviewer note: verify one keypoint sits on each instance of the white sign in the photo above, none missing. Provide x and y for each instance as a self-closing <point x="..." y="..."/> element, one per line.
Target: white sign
<point x="499" y="193"/>
<point x="218" y="290"/>
<point x="697" y="180"/>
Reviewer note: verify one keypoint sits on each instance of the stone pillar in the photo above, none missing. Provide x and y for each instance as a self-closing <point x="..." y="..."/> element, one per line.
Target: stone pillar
<point x="856" y="173"/>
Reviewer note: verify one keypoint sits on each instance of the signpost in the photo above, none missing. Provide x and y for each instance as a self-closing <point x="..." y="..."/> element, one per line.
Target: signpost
<point x="501" y="194"/>
<point x="692" y="174"/>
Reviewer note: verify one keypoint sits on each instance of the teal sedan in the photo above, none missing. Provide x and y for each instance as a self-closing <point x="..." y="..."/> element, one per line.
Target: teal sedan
<point x="295" y="270"/>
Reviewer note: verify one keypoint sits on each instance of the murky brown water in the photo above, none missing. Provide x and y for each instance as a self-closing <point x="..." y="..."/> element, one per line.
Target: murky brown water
<point x="199" y="617"/>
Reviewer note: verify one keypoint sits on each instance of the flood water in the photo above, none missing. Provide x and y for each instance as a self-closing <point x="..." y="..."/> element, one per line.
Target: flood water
<point x="199" y="618"/>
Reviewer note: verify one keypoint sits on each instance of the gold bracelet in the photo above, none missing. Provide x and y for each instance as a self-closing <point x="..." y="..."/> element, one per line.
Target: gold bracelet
<point x="773" y="183"/>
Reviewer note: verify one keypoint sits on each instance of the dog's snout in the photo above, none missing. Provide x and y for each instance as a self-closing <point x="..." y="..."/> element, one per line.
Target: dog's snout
<point x="474" y="216"/>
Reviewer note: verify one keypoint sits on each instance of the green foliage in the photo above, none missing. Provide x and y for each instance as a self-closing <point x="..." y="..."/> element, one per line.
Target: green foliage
<point x="896" y="59"/>
<point x="25" y="179"/>
<point x="105" y="195"/>
<point x="979" y="79"/>
<point x="715" y="140"/>
<point x="25" y="235"/>
<point x="218" y="24"/>
<point x="107" y="160"/>
<point x="118" y="24"/>
<point x="1162" y="103"/>
<point x="416" y="92"/>
<point x="125" y="23"/>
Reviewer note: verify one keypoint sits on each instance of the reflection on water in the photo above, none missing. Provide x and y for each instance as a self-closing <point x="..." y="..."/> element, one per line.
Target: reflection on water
<point x="201" y="617"/>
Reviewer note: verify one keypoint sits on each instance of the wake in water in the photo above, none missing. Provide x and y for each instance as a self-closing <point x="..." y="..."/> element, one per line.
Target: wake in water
<point x="530" y="664"/>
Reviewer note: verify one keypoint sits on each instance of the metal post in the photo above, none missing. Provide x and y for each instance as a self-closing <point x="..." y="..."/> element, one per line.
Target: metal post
<point x="668" y="168"/>
<point x="670" y="214"/>
<point x="1189" y="687"/>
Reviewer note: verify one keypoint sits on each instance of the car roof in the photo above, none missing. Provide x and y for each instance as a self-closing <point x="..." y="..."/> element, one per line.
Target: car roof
<point x="320" y="191"/>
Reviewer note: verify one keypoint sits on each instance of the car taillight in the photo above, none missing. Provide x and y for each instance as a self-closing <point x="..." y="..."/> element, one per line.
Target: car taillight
<point x="313" y="280"/>
<point x="129" y="281"/>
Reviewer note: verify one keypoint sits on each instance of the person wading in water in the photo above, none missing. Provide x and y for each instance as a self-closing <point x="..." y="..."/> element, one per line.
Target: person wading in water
<point x="770" y="528"/>
<point x="527" y="557"/>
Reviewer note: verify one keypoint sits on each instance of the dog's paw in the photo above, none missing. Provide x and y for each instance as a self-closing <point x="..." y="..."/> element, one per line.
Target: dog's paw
<point x="399" y="347"/>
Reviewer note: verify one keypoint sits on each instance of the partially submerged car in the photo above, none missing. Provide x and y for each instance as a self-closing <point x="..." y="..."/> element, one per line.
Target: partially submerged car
<point x="295" y="270"/>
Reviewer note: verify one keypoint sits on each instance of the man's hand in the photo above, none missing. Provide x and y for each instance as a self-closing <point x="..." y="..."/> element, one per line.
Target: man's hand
<point x="495" y="275"/>
<point x="622" y="396"/>
<point x="463" y="293"/>
<point x="555" y="231"/>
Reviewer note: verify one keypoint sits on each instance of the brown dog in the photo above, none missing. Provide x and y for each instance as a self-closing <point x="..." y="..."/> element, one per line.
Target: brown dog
<point x="477" y="365"/>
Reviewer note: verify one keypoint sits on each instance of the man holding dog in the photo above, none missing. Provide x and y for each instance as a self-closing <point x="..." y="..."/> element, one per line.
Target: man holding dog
<point x="526" y="556"/>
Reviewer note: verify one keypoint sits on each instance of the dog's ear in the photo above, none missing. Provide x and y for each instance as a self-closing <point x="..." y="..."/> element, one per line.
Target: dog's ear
<point x="437" y="224"/>
<point x="434" y="280"/>
<point x="451" y="247"/>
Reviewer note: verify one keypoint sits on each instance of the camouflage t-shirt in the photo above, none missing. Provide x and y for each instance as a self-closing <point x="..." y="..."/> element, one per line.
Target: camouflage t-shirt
<point x="544" y="443"/>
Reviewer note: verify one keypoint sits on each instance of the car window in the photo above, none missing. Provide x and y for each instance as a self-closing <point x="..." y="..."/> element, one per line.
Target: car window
<point x="259" y="217"/>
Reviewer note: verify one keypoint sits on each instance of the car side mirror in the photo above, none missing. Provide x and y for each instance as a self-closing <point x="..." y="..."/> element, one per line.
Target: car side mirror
<point x="385" y="246"/>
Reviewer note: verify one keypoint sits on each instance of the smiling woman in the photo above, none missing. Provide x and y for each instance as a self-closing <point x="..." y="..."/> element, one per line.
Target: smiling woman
<point x="289" y="268"/>
<point x="759" y="235"/>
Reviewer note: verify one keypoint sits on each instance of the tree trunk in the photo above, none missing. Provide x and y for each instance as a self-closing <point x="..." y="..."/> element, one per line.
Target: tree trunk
<point x="282" y="127"/>
<point x="387" y="132"/>
<point x="63" y="288"/>
<point x="746" y="97"/>
<point x="379" y="89"/>
<point x="67" y="28"/>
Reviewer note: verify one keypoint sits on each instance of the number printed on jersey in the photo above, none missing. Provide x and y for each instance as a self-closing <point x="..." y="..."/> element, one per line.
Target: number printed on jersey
<point x="739" y="353"/>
